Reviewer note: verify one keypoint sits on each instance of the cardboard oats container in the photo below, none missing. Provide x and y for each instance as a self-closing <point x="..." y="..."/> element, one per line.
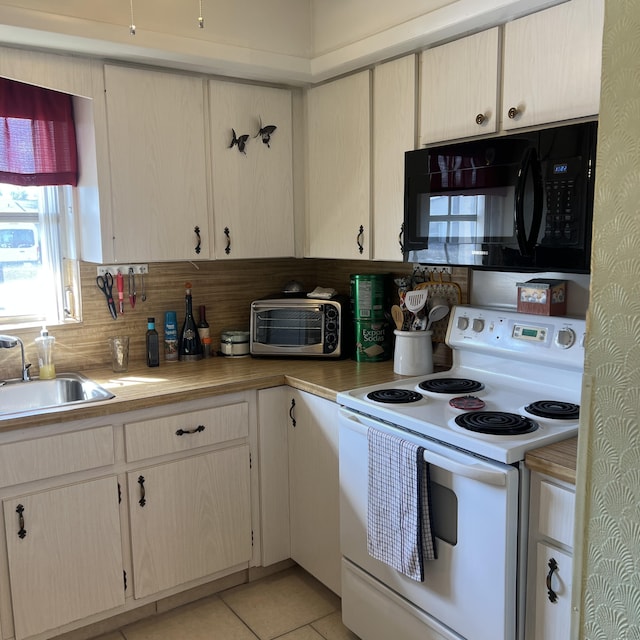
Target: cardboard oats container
<point x="543" y="297"/>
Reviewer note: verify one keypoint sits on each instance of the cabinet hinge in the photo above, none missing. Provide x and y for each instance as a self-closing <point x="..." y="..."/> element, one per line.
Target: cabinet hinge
<point x="252" y="537"/>
<point x="250" y="462"/>
<point x="124" y="576"/>
<point x="119" y="494"/>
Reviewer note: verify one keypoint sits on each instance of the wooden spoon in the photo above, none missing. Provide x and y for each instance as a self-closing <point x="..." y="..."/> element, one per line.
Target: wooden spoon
<point x="398" y="316"/>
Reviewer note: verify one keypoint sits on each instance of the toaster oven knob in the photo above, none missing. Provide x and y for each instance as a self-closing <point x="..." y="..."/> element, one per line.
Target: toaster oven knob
<point x="566" y="338"/>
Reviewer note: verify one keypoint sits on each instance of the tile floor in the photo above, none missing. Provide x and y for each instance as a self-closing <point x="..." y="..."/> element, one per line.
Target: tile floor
<point x="290" y="605"/>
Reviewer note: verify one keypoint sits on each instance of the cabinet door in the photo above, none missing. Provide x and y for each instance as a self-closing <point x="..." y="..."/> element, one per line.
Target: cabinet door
<point x="158" y="165"/>
<point x="313" y="486"/>
<point x="190" y="518"/>
<point x="338" y="121"/>
<point x="66" y="538"/>
<point x="552" y="64"/>
<point x="459" y="88"/>
<point x="394" y="132"/>
<point x="252" y="188"/>
<point x="553" y="608"/>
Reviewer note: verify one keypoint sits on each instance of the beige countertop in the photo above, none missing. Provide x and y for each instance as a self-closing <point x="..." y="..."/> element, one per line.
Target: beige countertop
<point x="143" y="388"/>
<point x="556" y="460"/>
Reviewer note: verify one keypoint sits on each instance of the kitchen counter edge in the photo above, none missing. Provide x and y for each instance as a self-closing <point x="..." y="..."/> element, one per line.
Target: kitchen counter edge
<point x="172" y="382"/>
<point x="556" y="460"/>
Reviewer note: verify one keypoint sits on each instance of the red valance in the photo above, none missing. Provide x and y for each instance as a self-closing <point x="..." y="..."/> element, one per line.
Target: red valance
<point x="37" y="136"/>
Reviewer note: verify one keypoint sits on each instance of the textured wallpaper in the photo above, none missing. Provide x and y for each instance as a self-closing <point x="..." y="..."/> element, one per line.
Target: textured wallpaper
<point x="609" y="467"/>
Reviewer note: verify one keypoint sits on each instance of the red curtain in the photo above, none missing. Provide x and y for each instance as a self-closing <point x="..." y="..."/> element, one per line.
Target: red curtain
<point x="37" y="136"/>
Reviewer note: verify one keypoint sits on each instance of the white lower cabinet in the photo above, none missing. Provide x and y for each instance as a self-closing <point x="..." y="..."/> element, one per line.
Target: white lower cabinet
<point x="189" y="518"/>
<point x="300" y="482"/>
<point x="101" y="519"/>
<point x="550" y="563"/>
<point x="65" y="554"/>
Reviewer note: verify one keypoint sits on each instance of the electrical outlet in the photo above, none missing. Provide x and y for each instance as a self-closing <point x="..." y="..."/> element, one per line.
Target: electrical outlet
<point x="113" y="269"/>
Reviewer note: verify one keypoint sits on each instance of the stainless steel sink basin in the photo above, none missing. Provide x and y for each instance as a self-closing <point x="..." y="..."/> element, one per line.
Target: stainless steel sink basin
<point x="66" y="389"/>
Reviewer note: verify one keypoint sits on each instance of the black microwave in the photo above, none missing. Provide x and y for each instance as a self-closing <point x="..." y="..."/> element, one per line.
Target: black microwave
<point x="518" y="202"/>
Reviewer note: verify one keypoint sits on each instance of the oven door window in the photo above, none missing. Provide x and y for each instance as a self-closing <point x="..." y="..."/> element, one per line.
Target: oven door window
<point x="289" y="327"/>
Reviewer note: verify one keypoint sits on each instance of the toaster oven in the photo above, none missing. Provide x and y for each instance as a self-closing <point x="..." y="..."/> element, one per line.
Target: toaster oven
<point x="299" y="326"/>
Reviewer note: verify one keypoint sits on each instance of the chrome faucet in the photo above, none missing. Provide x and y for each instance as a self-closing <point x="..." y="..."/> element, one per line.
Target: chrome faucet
<point x="8" y="342"/>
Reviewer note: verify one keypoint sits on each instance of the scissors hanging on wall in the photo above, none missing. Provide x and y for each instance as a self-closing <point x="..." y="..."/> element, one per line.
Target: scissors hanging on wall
<point x="105" y="284"/>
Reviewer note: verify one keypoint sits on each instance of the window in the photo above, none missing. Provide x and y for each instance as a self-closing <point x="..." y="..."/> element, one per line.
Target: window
<point x="38" y="269"/>
<point x="39" y="272"/>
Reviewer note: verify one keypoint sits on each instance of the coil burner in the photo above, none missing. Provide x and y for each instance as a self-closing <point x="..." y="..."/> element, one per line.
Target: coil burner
<point x="457" y="386"/>
<point x="554" y="409"/>
<point x="496" y="423"/>
<point x="394" y="396"/>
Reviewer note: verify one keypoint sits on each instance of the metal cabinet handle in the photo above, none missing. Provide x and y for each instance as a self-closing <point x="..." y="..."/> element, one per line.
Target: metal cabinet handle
<point x="227" y="249"/>
<point x="553" y="567"/>
<point x="513" y="113"/>
<point x="182" y="432"/>
<point x="22" y="532"/>
<point x="142" y="500"/>
<point x="401" y="238"/>
<point x="196" y="230"/>
<point x="293" y="420"/>
<point x="480" y="118"/>
<point x="359" y="239"/>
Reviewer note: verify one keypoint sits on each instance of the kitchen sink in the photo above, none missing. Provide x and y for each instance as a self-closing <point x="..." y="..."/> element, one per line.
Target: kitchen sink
<point x="66" y="389"/>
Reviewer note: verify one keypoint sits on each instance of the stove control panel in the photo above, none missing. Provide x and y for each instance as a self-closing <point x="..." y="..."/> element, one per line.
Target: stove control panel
<point x="500" y="332"/>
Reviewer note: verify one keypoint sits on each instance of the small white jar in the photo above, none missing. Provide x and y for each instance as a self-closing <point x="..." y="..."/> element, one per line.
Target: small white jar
<point x="234" y="343"/>
<point x="413" y="353"/>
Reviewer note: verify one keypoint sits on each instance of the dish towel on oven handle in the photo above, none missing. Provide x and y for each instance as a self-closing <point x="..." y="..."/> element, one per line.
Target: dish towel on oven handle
<point x="399" y="529"/>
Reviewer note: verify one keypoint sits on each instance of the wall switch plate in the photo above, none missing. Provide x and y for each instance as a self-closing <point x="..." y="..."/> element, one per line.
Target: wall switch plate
<point x="114" y="269"/>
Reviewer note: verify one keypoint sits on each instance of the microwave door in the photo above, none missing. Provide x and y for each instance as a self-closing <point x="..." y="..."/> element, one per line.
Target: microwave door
<point x="528" y="204"/>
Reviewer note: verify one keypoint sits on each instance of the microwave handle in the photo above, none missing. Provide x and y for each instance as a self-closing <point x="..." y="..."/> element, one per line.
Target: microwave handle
<point x="530" y="164"/>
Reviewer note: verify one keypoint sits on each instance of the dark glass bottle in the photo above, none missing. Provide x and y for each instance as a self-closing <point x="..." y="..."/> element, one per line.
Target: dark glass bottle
<point x="203" y="325"/>
<point x="153" y="346"/>
<point x="189" y="347"/>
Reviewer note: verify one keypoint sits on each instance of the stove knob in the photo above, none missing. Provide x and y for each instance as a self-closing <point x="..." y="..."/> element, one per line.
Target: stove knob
<point x="478" y="325"/>
<point x="463" y="323"/>
<point x="566" y="338"/>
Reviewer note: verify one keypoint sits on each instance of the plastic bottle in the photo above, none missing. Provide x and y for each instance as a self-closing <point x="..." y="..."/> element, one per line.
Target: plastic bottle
<point x="153" y="351"/>
<point x="203" y="325"/>
<point x="170" y="336"/>
<point x="44" y="344"/>
<point x="189" y="346"/>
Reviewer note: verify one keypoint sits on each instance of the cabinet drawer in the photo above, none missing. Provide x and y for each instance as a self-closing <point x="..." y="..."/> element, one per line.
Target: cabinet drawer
<point x="556" y="511"/>
<point x="55" y="455"/>
<point x="185" y="431"/>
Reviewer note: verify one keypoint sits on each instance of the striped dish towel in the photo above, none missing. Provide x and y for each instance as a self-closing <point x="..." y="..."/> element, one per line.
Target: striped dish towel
<point x="398" y="515"/>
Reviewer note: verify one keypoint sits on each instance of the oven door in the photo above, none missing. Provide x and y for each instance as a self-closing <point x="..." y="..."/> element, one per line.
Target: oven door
<point x="470" y="590"/>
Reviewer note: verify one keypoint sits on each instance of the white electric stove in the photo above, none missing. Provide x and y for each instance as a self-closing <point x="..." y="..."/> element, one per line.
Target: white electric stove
<point x="474" y="424"/>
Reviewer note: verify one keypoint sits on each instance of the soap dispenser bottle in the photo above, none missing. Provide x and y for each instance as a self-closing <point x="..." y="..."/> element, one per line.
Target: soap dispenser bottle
<point x="44" y="344"/>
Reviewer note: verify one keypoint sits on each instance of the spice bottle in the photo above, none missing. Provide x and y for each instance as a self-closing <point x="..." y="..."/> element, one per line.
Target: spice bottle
<point x="203" y="325"/>
<point x="189" y="346"/>
<point x="153" y="349"/>
<point x="170" y="336"/>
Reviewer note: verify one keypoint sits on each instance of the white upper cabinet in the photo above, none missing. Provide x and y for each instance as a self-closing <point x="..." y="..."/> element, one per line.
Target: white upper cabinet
<point x="339" y="168"/>
<point x="252" y="179"/>
<point x="158" y="165"/>
<point x="552" y="64"/>
<point x="459" y="88"/>
<point x="394" y="132"/>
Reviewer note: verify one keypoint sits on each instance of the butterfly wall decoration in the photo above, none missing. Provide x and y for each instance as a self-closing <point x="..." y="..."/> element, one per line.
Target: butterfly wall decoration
<point x="241" y="141"/>
<point x="265" y="132"/>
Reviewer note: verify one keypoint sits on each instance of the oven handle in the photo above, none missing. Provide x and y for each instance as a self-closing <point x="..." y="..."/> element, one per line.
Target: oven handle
<point x="473" y="471"/>
<point x="477" y="472"/>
